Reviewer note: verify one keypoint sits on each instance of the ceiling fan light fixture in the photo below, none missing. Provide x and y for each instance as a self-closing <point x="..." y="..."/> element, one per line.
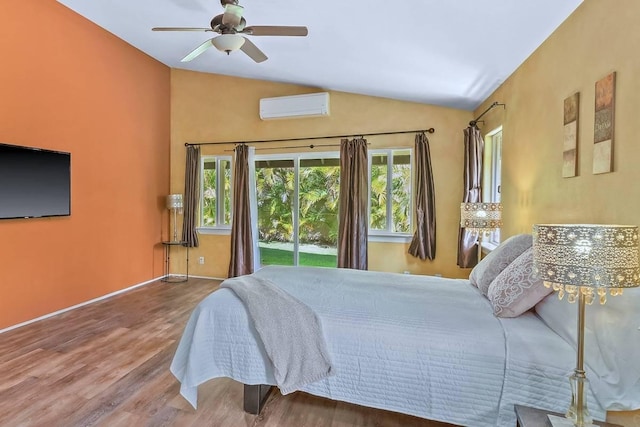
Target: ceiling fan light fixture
<point x="228" y="42"/>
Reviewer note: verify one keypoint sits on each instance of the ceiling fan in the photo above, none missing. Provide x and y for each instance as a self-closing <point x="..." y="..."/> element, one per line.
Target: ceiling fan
<point x="230" y="26"/>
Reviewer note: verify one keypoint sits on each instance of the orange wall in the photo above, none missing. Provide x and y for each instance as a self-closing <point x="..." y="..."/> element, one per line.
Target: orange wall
<point x="68" y="85"/>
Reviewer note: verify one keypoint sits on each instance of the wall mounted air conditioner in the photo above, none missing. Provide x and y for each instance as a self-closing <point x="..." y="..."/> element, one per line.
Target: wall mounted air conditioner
<point x="297" y="106"/>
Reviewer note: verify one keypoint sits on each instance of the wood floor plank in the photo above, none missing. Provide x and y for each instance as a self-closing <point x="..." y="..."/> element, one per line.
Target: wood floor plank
<point x="123" y="419"/>
<point x="107" y="364"/>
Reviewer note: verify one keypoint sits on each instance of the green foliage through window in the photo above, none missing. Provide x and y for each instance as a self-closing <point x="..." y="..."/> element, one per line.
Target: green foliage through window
<point x="390" y="191"/>
<point x="216" y="191"/>
<point x="319" y="181"/>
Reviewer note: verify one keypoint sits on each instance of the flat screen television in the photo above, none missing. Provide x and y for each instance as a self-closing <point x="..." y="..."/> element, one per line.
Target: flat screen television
<point x="34" y="182"/>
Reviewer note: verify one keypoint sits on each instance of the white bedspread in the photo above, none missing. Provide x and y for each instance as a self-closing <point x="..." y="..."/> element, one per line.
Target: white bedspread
<point x="419" y="345"/>
<point x="288" y="329"/>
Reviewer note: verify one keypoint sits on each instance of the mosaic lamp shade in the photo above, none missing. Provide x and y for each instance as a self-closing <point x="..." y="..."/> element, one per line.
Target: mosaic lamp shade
<point x="175" y="205"/>
<point x="481" y="218"/>
<point x="585" y="262"/>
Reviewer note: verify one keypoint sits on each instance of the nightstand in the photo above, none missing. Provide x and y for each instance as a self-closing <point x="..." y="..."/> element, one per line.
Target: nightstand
<point x="531" y="417"/>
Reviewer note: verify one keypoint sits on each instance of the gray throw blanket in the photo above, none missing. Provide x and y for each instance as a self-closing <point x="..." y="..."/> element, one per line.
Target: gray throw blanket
<point x="289" y="330"/>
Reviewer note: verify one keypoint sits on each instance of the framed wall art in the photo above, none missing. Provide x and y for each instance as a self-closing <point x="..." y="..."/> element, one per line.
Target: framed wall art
<point x="604" y="124"/>
<point x="570" y="143"/>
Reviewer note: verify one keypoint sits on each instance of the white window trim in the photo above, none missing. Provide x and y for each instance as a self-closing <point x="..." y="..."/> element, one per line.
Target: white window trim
<point x="487" y="246"/>
<point x="386" y="237"/>
<point x="226" y="230"/>
<point x="219" y="228"/>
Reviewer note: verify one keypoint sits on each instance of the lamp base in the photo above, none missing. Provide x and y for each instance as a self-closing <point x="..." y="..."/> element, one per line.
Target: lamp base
<point x="559" y="421"/>
<point x="578" y="412"/>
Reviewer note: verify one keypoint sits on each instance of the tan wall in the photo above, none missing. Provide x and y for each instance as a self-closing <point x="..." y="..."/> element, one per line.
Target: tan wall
<point x="601" y="36"/>
<point x="208" y="107"/>
<point x="68" y="85"/>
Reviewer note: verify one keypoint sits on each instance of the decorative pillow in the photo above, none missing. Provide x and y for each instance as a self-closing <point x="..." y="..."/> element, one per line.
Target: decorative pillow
<point x="515" y="290"/>
<point x="489" y="267"/>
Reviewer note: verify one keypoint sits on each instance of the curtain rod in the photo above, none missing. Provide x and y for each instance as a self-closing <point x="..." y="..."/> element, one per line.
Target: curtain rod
<point x="430" y="130"/>
<point x="495" y="104"/>
<point x="283" y="147"/>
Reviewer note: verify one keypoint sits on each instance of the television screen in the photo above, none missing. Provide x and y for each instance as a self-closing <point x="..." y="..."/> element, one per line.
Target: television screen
<point x="34" y="183"/>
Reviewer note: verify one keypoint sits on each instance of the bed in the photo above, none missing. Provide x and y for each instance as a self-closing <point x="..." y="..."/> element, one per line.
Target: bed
<point x="420" y="345"/>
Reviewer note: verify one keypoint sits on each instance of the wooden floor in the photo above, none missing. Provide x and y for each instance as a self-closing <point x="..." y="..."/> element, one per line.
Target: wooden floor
<point x="107" y="364"/>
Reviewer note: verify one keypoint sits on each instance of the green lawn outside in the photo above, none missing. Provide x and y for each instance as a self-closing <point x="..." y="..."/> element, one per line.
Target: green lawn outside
<point x="269" y="256"/>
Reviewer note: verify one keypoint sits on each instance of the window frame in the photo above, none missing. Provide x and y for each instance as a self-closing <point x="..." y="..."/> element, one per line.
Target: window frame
<point x="388" y="235"/>
<point x="219" y="227"/>
<point x="492" y="182"/>
<point x="296" y="159"/>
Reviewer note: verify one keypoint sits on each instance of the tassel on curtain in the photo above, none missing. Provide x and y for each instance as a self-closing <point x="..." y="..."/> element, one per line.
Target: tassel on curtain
<point x="191" y="196"/>
<point x="241" y="262"/>
<point x="473" y="151"/>
<point x="423" y="245"/>
<point x="354" y="190"/>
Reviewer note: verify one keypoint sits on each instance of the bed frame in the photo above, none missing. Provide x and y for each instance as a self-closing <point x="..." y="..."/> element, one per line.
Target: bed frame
<point x="255" y="397"/>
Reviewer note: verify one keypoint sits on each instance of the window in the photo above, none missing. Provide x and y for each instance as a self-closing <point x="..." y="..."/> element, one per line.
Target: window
<point x="215" y="192"/>
<point x="492" y="180"/>
<point x="297" y="198"/>
<point x="390" y="192"/>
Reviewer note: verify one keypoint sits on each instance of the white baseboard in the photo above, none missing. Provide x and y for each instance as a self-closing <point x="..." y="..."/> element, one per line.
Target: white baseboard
<point x="207" y="277"/>
<point x="55" y="313"/>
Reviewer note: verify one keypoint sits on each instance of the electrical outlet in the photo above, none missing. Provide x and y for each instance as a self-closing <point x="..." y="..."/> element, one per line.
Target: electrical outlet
<point x="201" y="260"/>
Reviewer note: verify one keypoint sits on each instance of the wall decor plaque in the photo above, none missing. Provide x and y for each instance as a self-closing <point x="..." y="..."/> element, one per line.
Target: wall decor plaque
<point x="604" y="124"/>
<point x="570" y="143"/>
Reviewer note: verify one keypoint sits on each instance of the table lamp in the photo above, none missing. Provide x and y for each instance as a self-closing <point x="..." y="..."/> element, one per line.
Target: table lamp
<point x="481" y="219"/>
<point x="174" y="204"/>
<point x="583" y="261"/>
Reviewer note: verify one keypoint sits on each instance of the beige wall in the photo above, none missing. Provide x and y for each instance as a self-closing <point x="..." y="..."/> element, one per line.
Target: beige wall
<point x="601" y="36"/>
<point x="207" y="107"/>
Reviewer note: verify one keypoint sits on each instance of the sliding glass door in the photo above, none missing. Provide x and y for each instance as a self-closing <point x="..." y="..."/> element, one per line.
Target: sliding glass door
<point x="297" y="198"/>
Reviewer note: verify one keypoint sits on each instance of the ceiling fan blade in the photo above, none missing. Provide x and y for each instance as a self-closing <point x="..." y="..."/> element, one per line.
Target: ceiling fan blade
<point x="180" y="29"/>
<point x="252" y="51"/>
<point x="232" y="15"/>
<point x="197" y="51"/>
<point x="274" y="30"/>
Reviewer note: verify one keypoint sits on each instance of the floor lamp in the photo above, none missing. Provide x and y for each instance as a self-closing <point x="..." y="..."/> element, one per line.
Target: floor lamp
<point x="481" y="219"/>
<point x="174" y="204"/>
<point x="583" y="262"/>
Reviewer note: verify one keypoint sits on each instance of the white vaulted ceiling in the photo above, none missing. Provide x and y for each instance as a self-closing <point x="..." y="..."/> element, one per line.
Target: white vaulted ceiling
<point x="452" y="53"/>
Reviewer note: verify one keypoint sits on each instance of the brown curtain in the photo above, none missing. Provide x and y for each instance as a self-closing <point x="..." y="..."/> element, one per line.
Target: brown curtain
<point x="354" y="190"/>
<point x="241" y="241"/>
<point x="191" y="196"/>
<point x="423" y="245"/>
<point x="473" y="149"/>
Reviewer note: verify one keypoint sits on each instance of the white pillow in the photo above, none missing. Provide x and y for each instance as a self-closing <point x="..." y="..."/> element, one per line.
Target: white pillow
<point x="489" y="267"/>
<point x="611" y="345"/>
<point x="515" y="290"/>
